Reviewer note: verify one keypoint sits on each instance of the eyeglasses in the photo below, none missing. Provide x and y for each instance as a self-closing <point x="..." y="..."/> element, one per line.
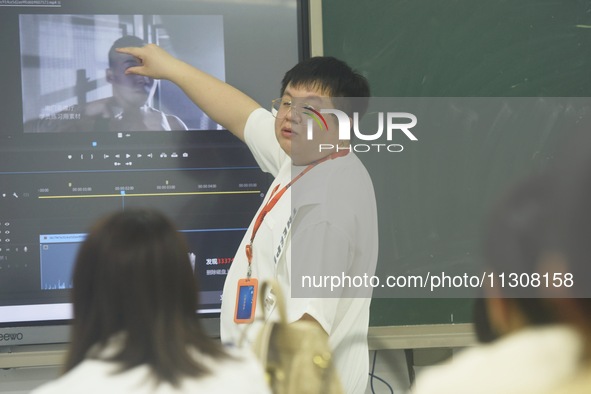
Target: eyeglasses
<point x="280" y="107"/>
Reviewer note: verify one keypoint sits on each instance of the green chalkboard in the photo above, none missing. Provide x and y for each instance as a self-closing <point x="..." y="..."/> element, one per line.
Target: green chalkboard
<point x="433" y="200"/>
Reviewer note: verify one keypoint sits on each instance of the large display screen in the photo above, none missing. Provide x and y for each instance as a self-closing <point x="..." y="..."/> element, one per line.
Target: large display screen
<point x="80" y="139"/>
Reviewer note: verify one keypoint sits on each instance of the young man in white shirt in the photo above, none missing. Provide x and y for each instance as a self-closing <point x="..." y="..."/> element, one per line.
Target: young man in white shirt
<point x="319" y="217"/>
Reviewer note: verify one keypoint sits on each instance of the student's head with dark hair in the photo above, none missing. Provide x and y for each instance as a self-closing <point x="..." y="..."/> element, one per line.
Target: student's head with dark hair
<point x="515" y="242"/>
<point x="135" y="294"/>
<point x="570" y="213"/>
<point x="516" y="230"/>
<point x="483" y="329"/>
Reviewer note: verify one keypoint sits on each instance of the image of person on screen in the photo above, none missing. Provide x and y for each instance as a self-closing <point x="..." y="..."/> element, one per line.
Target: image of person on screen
<point x="135" y="327"/>
<point x="319" y="213"/>
<point x="128" y="108"/>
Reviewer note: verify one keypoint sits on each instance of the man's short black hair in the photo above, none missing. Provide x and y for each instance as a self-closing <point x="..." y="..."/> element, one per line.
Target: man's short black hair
<point x="125" y="41"/>
<point x="332" y="77"/>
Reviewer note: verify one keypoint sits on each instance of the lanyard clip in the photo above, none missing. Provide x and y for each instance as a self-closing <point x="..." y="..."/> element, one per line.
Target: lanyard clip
<point x="249" y="252"/>
<point x="249" y="258"/>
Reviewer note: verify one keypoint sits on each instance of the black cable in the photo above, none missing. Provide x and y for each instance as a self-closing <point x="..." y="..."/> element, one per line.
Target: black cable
<point x="373" y="368"/>
<point x="372" y="375"/>
<point x="383" y="381"/>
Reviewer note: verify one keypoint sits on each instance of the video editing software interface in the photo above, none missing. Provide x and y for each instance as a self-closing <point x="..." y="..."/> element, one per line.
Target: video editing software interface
<point x="80" y="139"/>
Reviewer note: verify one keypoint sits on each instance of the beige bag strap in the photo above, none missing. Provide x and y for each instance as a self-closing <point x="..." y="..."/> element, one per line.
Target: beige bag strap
<point x="273" y="285"/>
<point x="261" y="344"/>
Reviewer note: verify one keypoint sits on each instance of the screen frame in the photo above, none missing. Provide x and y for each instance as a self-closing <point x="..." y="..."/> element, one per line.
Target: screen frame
<point x="58" y="331"/>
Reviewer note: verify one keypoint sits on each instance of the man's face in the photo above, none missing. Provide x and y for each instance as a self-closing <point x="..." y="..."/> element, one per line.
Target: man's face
<point x="129" y="90"/>
<point x="291" y="125"/>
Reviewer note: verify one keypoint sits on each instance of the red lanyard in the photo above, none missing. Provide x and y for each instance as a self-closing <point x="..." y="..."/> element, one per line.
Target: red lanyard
<point x="274" y="198"/>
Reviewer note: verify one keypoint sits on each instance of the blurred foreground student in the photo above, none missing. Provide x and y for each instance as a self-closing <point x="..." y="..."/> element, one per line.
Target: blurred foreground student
<point x="570" y="244"/>
<point x="539" y="348"/>
<point x="135" y="329"/>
